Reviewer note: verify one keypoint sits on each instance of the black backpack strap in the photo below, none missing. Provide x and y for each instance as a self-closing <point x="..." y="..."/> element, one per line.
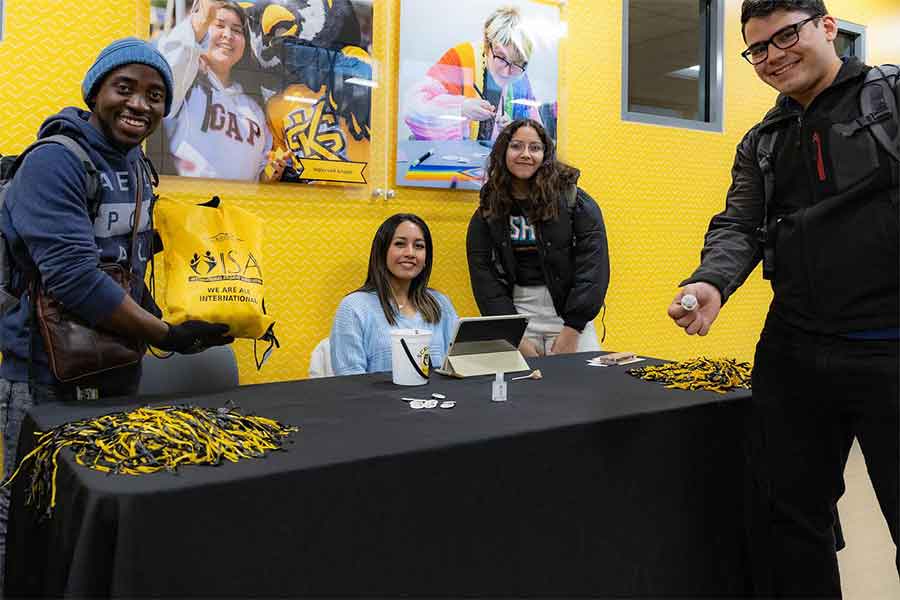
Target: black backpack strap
<point x="12" y="164"/>
<point x="571" y="195"/>
<point x="880" y="96"/>
<point x="7" y="167"/>
<point x="571" y="203"/>
<point x="92" y="182"/>
<point x="149" y="169"/>
<point x="765" y="156"/>
<point x="878" y="102"/>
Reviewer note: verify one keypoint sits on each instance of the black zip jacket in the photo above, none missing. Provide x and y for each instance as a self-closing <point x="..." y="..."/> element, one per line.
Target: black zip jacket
<point x="573" y="253"/>
<point x="832" y="219"/>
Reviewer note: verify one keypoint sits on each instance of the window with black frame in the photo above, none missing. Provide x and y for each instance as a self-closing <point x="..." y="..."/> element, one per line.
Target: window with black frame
<point x="851" y="40"/>
<point x="672" y="62"/>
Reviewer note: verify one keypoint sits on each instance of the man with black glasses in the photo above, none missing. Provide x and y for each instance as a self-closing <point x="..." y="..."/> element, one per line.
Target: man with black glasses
<point x="814" y="195"/>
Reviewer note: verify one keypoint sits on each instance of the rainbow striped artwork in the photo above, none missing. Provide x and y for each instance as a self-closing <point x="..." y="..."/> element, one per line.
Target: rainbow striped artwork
<point x="446" y="173"/>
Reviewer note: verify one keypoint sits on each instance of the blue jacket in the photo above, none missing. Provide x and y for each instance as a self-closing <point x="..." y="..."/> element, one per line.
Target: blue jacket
<point x="46" y="221"/>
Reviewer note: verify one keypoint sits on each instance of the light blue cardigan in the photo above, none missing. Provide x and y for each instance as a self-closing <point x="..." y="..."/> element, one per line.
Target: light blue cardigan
<point x="361" y="339"/>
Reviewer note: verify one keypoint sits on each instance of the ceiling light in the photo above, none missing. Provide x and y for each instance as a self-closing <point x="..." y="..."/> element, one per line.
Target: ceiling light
<point x="686" y="73"/>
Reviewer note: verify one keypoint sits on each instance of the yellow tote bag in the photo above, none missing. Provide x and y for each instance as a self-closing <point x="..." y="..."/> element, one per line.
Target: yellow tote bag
<point x="213" y="267"/>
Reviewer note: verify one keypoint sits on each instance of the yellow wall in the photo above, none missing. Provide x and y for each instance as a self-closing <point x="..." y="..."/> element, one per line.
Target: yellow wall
<point x="657" y="186"/>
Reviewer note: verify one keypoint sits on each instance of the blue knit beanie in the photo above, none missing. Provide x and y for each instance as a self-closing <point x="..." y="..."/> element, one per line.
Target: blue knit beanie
<point x="123" y="52"/>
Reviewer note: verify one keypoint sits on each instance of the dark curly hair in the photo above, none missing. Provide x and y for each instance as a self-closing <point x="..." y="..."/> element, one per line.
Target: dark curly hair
<point x="545" y="186"/>
<point x="764" y="8"/>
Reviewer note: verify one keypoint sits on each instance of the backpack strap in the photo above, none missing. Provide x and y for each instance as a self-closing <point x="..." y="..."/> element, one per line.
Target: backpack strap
<point x="92" y="181"/>
<point x="878" y="103"/>
<point x="765" y="156"/>
<point x="149" y="169"/>
<point x="879" y="98"/>
<point x="92" y="190"/>
<point x="571" y="203"/>
<point x="12" y="166"/>
<point x="571" y="195"/>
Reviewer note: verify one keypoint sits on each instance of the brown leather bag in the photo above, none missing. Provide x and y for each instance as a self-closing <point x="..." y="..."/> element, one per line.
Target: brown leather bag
<point x="76" y="350"/>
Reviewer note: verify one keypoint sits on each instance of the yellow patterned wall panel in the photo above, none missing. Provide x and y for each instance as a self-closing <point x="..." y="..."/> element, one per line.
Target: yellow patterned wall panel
<point x="48" y="46"/>
<point x="657" y="186"/>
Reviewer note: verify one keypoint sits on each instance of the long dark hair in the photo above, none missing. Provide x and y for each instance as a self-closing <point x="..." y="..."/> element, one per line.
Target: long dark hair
<point x="378" y="278"/>
<point x="544" y="188"/>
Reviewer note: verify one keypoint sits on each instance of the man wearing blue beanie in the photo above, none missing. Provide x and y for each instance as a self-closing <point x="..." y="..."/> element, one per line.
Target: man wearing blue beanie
<point x="63" y="238"/>
<point x="122" y="52"/>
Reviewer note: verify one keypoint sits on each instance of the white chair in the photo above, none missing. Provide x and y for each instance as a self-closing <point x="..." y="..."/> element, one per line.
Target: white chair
<point x="320" y="360"/>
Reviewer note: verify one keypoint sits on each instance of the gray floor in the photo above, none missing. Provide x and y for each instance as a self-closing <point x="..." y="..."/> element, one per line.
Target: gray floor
<point x="867" y="563"/>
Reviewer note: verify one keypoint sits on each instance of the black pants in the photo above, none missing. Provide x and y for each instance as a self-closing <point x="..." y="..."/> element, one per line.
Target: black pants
<point x="812" y="395"/>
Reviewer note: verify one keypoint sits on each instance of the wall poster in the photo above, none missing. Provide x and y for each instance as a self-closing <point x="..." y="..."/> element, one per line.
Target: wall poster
<point x="465" y="72"/>
<point x="265" y="90"/>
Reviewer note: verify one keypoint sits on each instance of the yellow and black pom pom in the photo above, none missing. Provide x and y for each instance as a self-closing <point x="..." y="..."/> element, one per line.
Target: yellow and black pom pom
<point x="715" y="375"/>
<point x="147" y="440"/>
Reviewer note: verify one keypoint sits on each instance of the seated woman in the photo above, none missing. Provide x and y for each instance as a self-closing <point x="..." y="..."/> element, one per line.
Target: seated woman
<point x="478" y="82"/>
<point x="537" y="244"/>
<point x="215" y="129"/>
<point x="395" y="295"/>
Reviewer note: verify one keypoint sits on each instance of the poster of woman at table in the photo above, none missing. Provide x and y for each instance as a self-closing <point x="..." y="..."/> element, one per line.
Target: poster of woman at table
<point x="465" y="73"/>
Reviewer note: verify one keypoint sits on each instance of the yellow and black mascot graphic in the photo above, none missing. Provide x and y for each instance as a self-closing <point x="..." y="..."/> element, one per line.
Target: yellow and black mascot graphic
<point x="314" y="47"/>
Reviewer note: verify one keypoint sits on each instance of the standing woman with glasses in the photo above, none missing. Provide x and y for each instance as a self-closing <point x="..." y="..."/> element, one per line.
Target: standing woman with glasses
<point x="537" y="244"/>
<point x="485" y="100"/>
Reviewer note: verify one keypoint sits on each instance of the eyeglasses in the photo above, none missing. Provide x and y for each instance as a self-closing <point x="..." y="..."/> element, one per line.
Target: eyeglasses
<point x="783" y="39"/>
<point x="519" y="147"/>
<point x="513" y="68"/>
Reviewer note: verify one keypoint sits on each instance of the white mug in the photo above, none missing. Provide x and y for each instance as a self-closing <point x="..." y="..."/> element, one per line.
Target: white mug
<point x="410" y="356"/>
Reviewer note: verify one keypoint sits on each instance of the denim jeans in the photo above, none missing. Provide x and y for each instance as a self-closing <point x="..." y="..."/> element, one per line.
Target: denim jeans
<point x="15" y="400"/>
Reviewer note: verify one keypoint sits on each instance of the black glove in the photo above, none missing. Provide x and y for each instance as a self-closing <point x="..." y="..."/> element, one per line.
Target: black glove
<point x="194" y="336"/>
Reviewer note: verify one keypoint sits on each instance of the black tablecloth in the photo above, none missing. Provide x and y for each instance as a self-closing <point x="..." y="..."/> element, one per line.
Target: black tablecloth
<point x="588" y="482"/>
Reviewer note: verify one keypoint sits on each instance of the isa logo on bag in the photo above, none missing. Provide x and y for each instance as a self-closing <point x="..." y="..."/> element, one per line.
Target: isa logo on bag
<point x="225" y="266"/>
